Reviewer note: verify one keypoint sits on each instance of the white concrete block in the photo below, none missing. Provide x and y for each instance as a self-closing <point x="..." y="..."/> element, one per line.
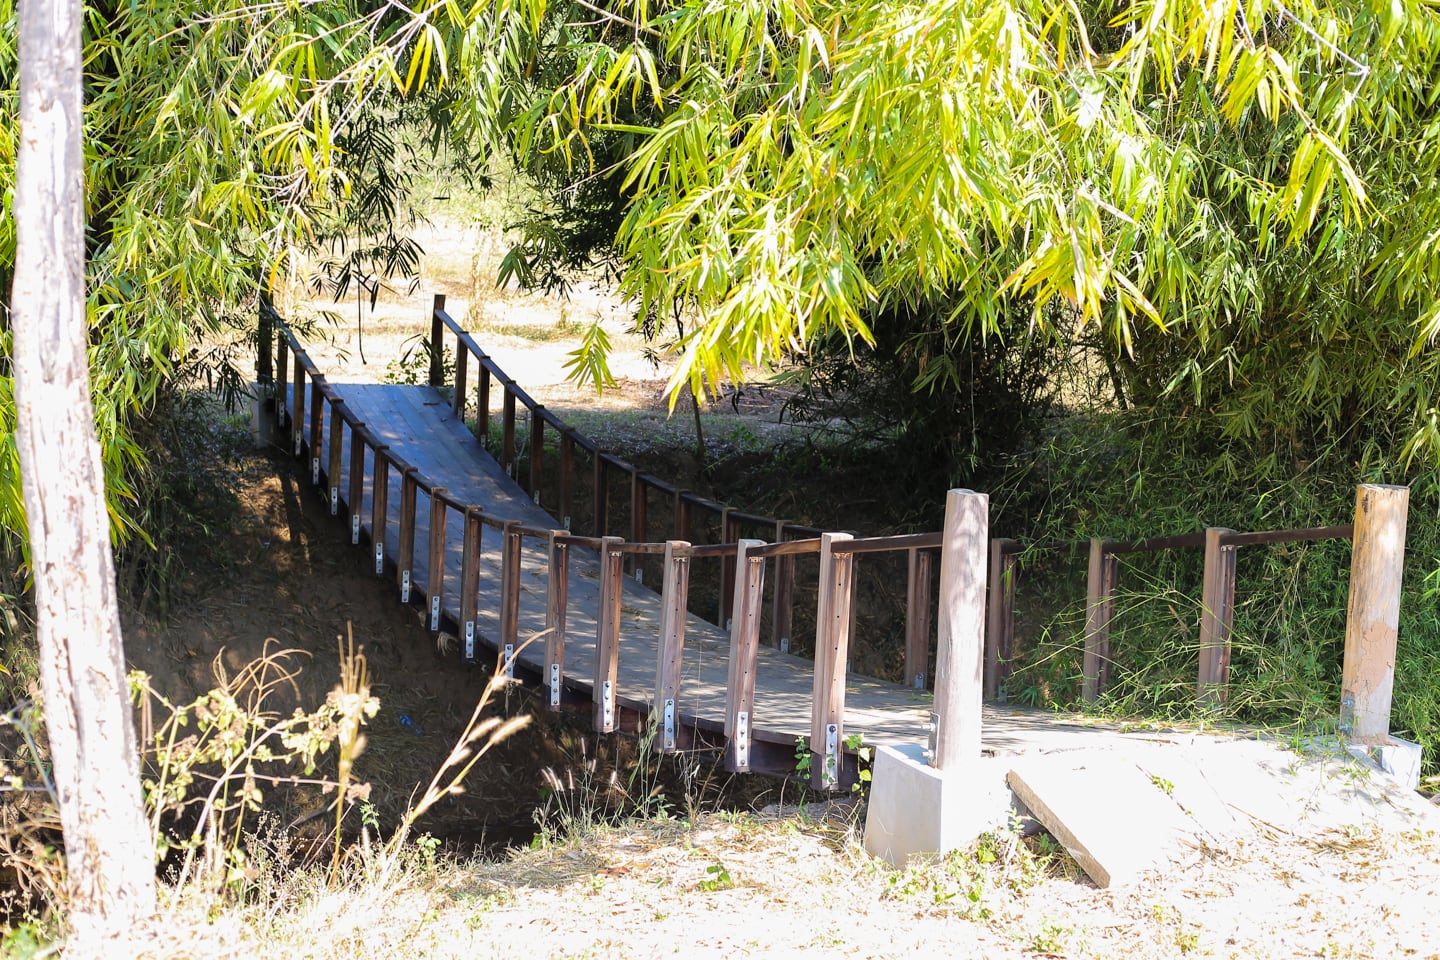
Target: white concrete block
<point x="1399" y="760"/>
<point x="916" y="809"/>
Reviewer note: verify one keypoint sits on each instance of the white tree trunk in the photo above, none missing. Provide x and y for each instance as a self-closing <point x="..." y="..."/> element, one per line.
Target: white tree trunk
<point x="82" y="666"/>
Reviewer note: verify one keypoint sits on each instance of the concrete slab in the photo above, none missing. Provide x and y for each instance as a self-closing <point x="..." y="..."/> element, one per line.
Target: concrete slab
<point x="1115" y="820"/>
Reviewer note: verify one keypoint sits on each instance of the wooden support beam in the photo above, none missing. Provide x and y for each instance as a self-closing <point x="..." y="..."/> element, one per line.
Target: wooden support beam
<point x="682" y="516"/>
<point x="354" y="505"/>
<point x="317" y="420"/>
<point x="537" y="451"/>
<point x="744" y="652"/>
<point x="1103" y="572"/>
<point x="960" y="643"/>
<point x="832" y="652"/>
<point x="297" y="423"/>
<point x="637" y="522"/>
<point x="555" y="610"/>
<point x="917" y="619"/>
<point x="729" y="533"/>
<point x="1217" y="614"/>
<point x="784" y="616"/>
<point x="507" y="436"/>
<point x="462" y="377"/>
<point x="470" y="586"/>
<point x="282" y="389"/>
<point x="405" y="563"/>
<point x="1372" y="625"/>
<point x="380" y="507"/>
<point x="600" y="491"/>
<point x="435" y="581"/>
<point x="332" y="468"/>
<point x="567" y="472"/>
<point x="511" y="546"/>
<point x="482" y="407"/>
<point x="437" y="342"/>
<point x="999" y="615"/>
<point x="607" y="635"/>
<point x="674" y="599"/>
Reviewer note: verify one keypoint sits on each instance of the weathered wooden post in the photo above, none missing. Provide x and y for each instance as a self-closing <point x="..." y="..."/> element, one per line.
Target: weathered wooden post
<point x="537" y="450"/>
<point x="1217" y="615"/>
<point x="507" y="430"/>
<point x="435" y="559"/>
<point x="1372" y="627"/>
<point x="832" y="652"/>
<point x="960" y="657"/>
<point x="512" y="545"/>
<point x="784" y="615"/>
<point x="437" y="342"/>
<point x="744" y="649"/>
<point x="470" y="584"/>
<point x="380" y="507"/>
<point x="917" y="619"/>
<point x="607" y="634"/>
<point x="556" y="608"/>
<point x="1099" y="609"/>
<point x="356" y="492"/>
<point x="674" y="600"/>
<point x="999" y="616"/>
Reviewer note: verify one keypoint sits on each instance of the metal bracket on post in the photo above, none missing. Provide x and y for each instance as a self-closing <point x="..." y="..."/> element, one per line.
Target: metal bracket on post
<point x="355" y="529"/>
<point x="639" y="575"/>
<point x="379" y="559"/>
<point x="536" y="497"/>
<point x="435" y="612"/>
<point x="919" y="681"/>
<point x="669" y="724"/>
<point x="509" y="661"/>
<point x="742" y="740"/>
<point x="554" y="684"/>
<point x="832" y="754"/>
<point x="784" y="644"/>
<point x="607" y="705"/>
<point x="567" y="523"/>
<point x="404" y="586"/>
<point x="315" y="470"/>
<point x="469" y="641"/>
<point x="334" y="501"/>
<point x="299" y="442"/>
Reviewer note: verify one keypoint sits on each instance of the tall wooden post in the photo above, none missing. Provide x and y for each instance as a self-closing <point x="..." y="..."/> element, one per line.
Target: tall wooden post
<point x="744" y="649"/>
<point x="832" y="653"/>
<point x="437" y="342"/>
<point x="1372" y="627"/>
<point x="556" y="607"/>
<point x="607" y="634"/>
<point x="917" y="619"/>
<point x="960" y="656"/>
<point x="1217" y="615"/>
<point x="1099" y="608"/>
<point x="674" y="599"/>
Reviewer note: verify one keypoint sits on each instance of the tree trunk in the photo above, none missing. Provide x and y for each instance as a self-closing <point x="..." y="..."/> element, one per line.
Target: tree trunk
<point x="109" y="855"/>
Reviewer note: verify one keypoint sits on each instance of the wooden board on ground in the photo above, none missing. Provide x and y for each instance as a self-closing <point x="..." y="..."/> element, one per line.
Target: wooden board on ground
<point x="1114" y="819"/>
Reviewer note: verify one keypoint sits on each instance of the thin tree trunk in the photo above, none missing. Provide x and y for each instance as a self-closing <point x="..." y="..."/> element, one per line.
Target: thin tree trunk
<point x="109" y="855"/>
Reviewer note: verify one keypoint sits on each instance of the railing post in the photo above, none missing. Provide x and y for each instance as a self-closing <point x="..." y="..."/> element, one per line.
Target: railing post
<point x="637" y="522"/>
<point x="380" y="507"/>
<point x="727" y="570"/>
<point x="405" y="562"/>
<point x="435" y="578"/>
<point x="960" y="654"/>
<point x="317" y="419"/>
<point x="332" y="469"/>
<point x="674" y="598"/>
<point x="567" y="468"/>
<point x="511" y="546"/>
<point x="462" y="375"/>
<point x="297" y="422"/>
<point x="437" y="342"/>
<point x="507" y="443"/>
<point x="482" y="407"/>
<point x="470" y="585"/>
<point x="537" y="451"/>
<point x="682" y="515"/>
<point x="832" y="650"/>
<point x="744" y="652"/>
<point x="600" y="492"/>
<point x="555" y="610"/>
<point x="1217" y="613"/>
<point x="607" y="634"/>
<point x="1372" y="624"/>
<point x="917" y="619"/>
<point x="999" y="614"/>
<point x="282" y="373"/>
<point x="784" y="617"/>
<point x="354" y="505"/>
<point x="1100" y="581"/>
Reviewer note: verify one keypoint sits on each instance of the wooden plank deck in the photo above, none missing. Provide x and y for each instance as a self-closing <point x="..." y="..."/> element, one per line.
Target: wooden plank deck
<point x="418" y="425"/>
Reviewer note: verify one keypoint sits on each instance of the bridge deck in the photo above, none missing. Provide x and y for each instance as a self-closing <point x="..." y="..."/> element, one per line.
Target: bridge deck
<point x="418" y="425"/>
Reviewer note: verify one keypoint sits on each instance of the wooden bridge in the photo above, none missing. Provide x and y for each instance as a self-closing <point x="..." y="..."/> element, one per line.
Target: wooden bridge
<point x="482" y="544"/>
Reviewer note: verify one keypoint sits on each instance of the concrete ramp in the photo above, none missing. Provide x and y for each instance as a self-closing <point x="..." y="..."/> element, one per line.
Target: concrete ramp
<point x="1132" y="805"/>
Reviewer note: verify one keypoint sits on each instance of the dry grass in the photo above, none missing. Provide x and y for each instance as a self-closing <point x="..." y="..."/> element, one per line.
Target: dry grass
<point x="760" y="885"/>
